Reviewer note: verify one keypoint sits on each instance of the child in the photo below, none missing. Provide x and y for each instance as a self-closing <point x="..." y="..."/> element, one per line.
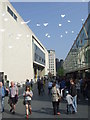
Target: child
<point x="28" y="96"/>
<point x="69" y="99"/>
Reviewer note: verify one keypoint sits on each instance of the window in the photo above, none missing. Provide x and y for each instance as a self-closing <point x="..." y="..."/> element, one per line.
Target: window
<point x="40" y="58"/>
<point x="44" y="61"/>
<point x="37" y="42"/>
<point x="15" y="17"/>
<point x="11" y="13"/>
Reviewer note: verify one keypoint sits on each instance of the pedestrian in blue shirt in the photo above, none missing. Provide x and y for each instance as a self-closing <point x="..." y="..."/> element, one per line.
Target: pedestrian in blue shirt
<point x="2" y="95"/>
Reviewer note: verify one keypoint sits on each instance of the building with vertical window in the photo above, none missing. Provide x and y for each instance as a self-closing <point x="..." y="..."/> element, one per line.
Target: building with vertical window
<point x="52" y="63"/>
<point x="77" y="62"/>
<point x="22" y="55"/>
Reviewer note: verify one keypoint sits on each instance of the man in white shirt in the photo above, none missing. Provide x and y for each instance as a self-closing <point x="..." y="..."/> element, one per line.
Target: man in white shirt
<point x="13" y="94"/>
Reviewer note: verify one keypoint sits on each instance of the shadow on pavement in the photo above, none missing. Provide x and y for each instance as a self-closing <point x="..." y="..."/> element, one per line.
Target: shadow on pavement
<point x="16" y="114"/>
<point x="48" y="111"/>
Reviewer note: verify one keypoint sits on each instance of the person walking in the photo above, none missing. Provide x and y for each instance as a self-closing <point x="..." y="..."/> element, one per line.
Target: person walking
<point x="28" y="94"/>
<point x="31" y="84"/>
<point x="55" y="99"/>
<point x="78" y="91"/>
<point x="2" y="95"/>
<point x="49" y="87"/>
<point x="69" y="100"/>
<point x="73" y="93"/>
<point x="39" y="86"/>
<point x="13" y="97"/>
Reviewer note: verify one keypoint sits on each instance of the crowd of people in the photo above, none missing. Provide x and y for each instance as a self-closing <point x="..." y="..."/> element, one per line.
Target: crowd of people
<point x="59" y="89"/>
<point x="62" y="91"/>
<point x="70" y="91"/>
<point x="12" y="93"/>
<point x="13" y="96"/>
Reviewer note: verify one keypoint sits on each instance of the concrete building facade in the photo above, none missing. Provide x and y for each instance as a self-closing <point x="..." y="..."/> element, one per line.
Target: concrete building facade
<point x="22" y="56"/>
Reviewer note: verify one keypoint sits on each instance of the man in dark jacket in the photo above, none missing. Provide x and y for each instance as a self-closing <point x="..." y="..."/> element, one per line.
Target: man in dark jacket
<point x="74" y="94"/>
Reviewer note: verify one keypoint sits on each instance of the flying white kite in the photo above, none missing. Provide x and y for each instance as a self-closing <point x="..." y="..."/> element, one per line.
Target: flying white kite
<point x="66" y="32"/>
<point x="82" y="20"/>
<point x="60" y="25"/>
<point x="63" y="15"/>
<point x="69" y="21"/>
<point x="61" y="36"/>
<point x="25" y="22"/>
<point x="46" y="34"/>
<point x="45" y="24"/>
<point x="72" y="31"/>
<point x="38" y="25"/>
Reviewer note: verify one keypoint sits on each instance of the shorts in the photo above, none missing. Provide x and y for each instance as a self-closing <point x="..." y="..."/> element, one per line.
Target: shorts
<point x="28" y="102"/>
<point x="13" y="100"/>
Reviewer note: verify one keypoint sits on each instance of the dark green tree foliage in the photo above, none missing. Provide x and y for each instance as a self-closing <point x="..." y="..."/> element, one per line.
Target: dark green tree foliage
<point x="60" y="72"/>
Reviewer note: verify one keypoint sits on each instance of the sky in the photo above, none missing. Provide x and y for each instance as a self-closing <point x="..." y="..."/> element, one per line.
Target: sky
<point x="55" y="24"/>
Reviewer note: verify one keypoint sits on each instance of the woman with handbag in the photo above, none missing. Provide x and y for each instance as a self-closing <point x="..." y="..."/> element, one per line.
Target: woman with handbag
<point x="55" y="99"/>
<point x="27" y="100"/>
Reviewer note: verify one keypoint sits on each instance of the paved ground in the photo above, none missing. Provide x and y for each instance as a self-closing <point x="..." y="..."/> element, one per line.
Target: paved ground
<point x="42" y="107"/>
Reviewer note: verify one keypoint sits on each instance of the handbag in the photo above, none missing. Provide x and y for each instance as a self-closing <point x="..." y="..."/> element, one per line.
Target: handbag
<point x="59" y="100"/>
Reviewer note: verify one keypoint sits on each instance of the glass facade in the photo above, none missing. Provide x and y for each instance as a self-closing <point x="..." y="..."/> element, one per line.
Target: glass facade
<point x="78" y="57"/>
<point x="38" y="54"/>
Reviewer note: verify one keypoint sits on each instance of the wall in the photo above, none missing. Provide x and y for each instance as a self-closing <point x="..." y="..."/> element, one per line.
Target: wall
<point x="1" y="38"/>
<point x="16" y="48"/>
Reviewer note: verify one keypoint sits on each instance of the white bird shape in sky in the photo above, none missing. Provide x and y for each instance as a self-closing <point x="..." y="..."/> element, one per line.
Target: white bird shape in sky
<point x="38" y="25"/>
<point x="60" y="25"/>
<point x="82" y="19"/>
<point x="66" y="32"/>
<point x="61" y="36"/>
<point x="45" y="24"/>
<point x="46" y="34"/>
<point x="69" y="21"/>
<point x="25" y="22"/>
<point x="63" y="15"/>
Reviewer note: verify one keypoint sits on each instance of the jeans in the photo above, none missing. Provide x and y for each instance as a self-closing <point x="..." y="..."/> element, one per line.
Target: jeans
<point x="75" y="103"/>
<point x="69" y="108"/>
<point x="2" y="104"/>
